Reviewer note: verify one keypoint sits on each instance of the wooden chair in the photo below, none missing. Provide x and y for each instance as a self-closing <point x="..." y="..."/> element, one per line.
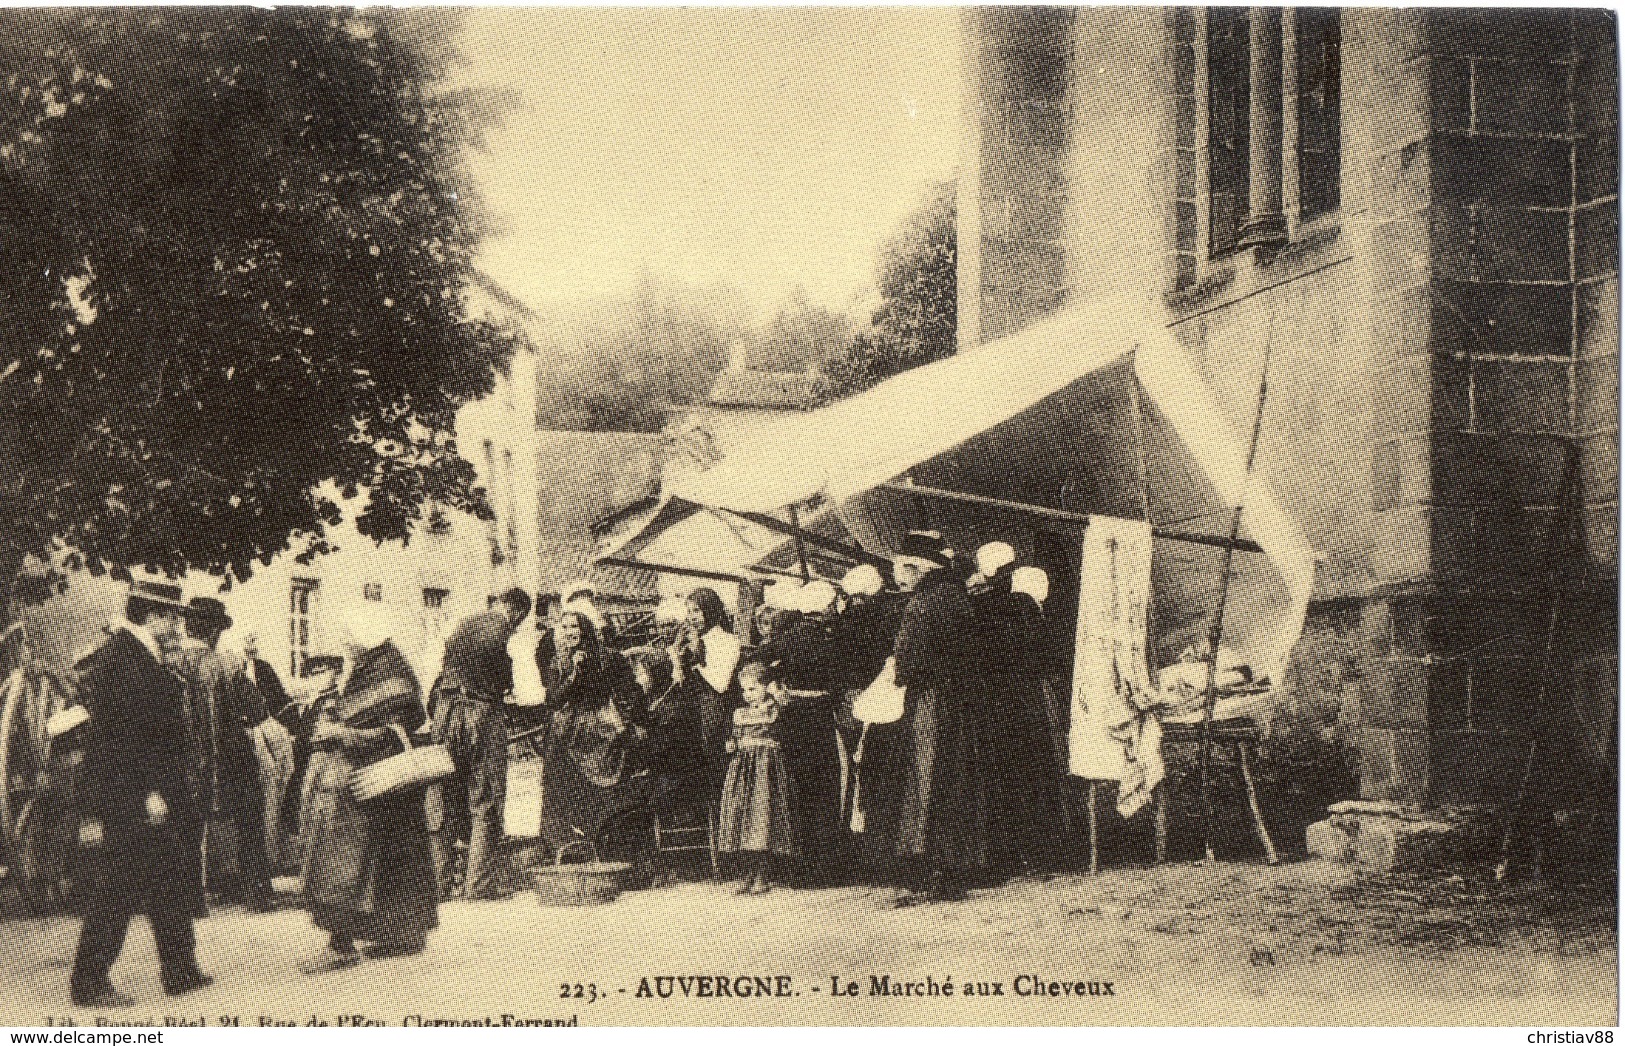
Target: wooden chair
<point x="690" y="831"/>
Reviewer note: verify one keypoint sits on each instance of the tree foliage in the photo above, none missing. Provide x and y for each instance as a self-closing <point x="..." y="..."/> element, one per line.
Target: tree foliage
<point x="233" y="245"/>
<point x="800" y="335"/>
<point x="623" y="366"/>
<point x="916" y="322"/>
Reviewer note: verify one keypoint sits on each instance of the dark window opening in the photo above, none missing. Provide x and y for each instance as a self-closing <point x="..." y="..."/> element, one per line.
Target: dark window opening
<point x="435" y="598"/>
<point x="1228" y="112"/>
<point x="1320" y="67"/>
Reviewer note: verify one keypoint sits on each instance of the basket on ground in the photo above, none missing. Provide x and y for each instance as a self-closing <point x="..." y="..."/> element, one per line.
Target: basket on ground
<point x="579" y="885"/>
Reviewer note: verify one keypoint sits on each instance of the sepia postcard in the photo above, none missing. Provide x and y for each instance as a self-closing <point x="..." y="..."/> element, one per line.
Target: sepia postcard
<point x="539" y="517"/>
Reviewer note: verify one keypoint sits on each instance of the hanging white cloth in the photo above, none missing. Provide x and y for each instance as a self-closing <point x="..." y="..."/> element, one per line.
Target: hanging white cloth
<point x="1114" y="736"/>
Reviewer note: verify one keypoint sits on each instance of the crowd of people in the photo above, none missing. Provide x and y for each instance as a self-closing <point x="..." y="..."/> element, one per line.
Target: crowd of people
<point x="907" y="725"/>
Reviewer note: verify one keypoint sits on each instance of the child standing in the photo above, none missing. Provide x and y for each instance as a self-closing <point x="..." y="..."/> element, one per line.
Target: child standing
<point x="756" y="804"/>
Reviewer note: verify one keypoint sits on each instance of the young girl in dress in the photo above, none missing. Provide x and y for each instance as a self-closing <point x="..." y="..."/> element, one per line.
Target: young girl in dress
<point x="756" y="804"/>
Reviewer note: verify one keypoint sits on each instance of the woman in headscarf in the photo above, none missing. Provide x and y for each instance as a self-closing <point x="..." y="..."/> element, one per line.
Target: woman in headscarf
<point x="1024" y="789"/>
<point x="1030" y="587"/>
<point x="806" y="658"/>
<point x="705" y="658"/>
<point x="368" y="869"/>
<point x="585" y="679"/>
<point x="593" y="701"/>
<point x="668" y="741"/>
<point x="865" y="636"/>
<point x="943" y="814"/>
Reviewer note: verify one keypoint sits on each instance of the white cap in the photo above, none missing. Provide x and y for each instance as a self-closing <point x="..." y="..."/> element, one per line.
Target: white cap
<point x="862" y="580"/>
<point x="817" y="597"/>
<point x="589" y="610"/>
<point x="993" y="556"/>
<point x="363" y="630"/>
<point x="784" y="594"/>
<point x="1031" y="580"/>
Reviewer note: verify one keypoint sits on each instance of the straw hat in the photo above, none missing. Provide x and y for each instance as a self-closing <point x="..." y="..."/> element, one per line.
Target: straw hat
<point x="160" y="593"/>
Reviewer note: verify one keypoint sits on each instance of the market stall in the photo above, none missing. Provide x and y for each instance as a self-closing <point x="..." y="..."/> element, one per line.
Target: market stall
<point x="1026" y="440"/>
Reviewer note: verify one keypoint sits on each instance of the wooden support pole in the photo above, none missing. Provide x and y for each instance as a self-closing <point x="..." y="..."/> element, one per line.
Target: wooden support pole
<point x="818" y="541"/>
<point x="1244" y="749"/>
<point x="1162" y="821"/>
<point x="1216" y="634"/>
<point x="667" y="568"/>
<point x="1233" y="543"/>
<point x="801" y="545"/>
<point x="1562" y="527"/>
<point x="1094" y="831"/>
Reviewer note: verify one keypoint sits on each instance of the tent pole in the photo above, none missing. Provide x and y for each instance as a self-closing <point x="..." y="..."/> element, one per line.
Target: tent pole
<point x="812" y="540"/>
<point x="1216" y="634"/>
<point x="1145" y="501"/>
<point x="1061" y="515"/>
<point x="667" y="568"/>
<point x="1563" y="522"/>
<point x="801" y="546"/>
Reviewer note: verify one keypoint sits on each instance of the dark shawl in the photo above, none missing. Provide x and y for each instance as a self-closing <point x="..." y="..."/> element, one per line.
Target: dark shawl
<point x="368" y="869"/>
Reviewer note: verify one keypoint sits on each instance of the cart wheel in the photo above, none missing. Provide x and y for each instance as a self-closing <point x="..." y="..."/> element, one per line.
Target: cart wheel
<point x="42" y="862"/>
<point x="15" y="775"/>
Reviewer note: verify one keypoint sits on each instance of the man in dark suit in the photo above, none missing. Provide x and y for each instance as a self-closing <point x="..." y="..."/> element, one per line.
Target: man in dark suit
<point x="475" y="677"/>
<point x="141" y="811"/>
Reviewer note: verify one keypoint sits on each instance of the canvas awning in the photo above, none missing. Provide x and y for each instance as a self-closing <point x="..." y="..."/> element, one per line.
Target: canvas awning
<point x="1092" y="411"/>
<point x="678" y="536"/>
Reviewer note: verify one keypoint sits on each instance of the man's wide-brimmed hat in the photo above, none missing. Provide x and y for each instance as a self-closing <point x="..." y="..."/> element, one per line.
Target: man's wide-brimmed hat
<point x="159" y="593"/>
<point x="206" y="610"/>
<point x="927" y="545"/>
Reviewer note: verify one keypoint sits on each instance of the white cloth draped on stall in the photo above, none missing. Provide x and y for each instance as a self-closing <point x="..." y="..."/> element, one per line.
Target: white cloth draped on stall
<point x="1114" y="736"/>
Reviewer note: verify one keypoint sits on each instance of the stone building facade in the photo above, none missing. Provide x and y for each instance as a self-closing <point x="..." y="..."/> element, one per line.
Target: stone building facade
<point x="1416" y="212"/>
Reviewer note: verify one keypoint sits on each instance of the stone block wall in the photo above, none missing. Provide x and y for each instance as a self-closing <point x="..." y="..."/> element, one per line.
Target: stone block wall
<point x="1495" y="270"/>
<point x="1423" y="394"/>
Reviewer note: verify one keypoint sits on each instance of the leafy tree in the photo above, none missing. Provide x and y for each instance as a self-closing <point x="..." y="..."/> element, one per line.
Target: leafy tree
<point x="800" y="335"/>
<point x="916" y="322"/>
<point x="234" y="245"/>
<point x="623" y="366"/>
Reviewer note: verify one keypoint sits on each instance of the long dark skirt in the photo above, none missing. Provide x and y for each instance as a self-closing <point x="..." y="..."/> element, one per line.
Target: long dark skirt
<point x="812" y="755"/>
<point x="943" y="821"/>
<point x="368" y="870"/>
<point x="1024" y="782"/>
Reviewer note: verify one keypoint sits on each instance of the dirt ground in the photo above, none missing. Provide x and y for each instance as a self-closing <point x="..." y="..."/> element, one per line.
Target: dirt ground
<point x="1303" y="943"/>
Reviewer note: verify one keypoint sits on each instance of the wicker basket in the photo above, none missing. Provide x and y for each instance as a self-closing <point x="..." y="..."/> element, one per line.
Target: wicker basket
<point x="579" y="885"/>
